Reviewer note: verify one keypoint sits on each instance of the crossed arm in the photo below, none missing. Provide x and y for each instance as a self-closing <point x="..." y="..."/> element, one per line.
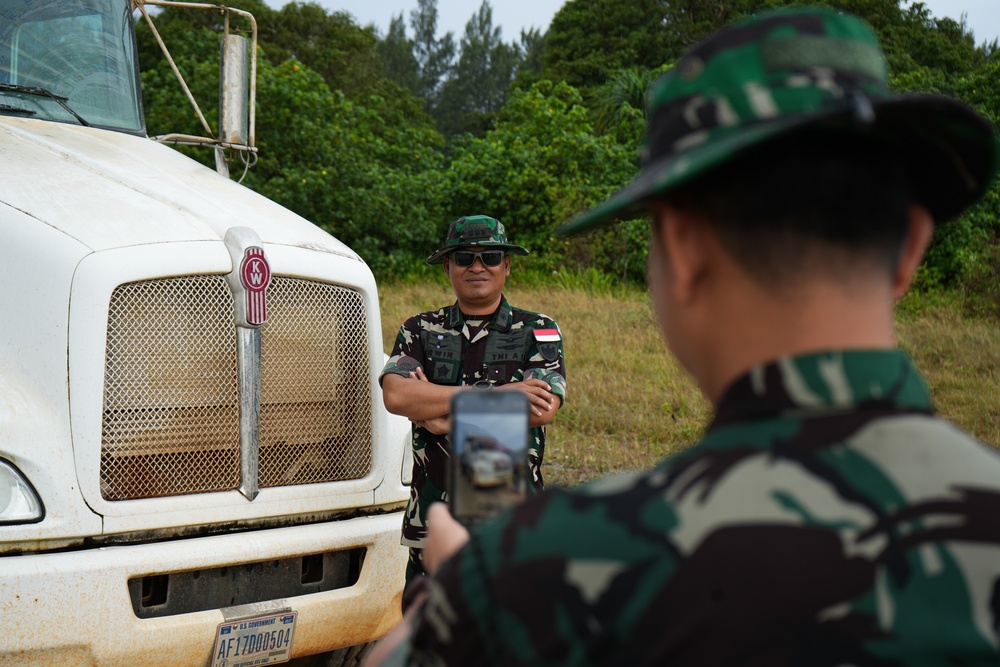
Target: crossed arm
<point x="428" y="404"/>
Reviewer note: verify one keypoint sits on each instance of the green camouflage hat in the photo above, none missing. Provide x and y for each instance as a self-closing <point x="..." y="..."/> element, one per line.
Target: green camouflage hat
<point x="475" y="231"/>
<point x="788" y="70"/>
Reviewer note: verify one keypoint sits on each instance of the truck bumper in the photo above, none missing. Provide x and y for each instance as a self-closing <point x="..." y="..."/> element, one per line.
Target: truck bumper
<point x="73" y="608"/>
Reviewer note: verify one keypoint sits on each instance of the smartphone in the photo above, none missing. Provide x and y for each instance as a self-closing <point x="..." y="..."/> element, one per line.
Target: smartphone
<point x="490" y="432"/>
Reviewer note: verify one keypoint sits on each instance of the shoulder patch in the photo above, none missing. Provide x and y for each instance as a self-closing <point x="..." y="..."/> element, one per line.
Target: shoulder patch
<point x="546" y="335"/>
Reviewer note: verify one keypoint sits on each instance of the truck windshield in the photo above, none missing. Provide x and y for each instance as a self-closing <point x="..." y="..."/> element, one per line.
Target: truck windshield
<point x="79" y="52"/>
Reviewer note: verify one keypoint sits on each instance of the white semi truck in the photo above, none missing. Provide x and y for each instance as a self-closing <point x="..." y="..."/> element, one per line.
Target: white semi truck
<point x="196" y="467"/>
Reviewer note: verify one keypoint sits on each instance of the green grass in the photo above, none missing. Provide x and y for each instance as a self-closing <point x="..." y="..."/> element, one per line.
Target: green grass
<point x="629" y="403"/>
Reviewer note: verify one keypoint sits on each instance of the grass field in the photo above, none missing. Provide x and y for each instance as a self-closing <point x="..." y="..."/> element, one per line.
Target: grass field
<point x="629" y="403"/>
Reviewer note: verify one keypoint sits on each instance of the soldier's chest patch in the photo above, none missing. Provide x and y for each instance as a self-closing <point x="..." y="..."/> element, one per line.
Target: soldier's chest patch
<point x="504" y="347"/>
<point x="501" y="356"/>
<point x="444" y="354"/>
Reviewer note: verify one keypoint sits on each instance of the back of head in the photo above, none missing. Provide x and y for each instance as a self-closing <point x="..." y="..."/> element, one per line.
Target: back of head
<point x="809" y="205"/>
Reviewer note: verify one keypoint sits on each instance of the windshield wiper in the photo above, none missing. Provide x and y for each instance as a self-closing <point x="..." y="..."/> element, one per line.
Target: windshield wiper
<point x="35" y="90"/>
<point x="6" y="108"/>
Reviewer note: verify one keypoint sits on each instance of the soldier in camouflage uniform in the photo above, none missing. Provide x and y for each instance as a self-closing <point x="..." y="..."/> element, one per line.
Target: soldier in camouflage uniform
<point x="481" y="339"/>
<point x="827" y="517"/>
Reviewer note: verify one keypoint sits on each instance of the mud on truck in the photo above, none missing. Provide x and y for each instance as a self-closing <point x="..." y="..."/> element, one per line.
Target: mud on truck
<point x="196" y="467"/>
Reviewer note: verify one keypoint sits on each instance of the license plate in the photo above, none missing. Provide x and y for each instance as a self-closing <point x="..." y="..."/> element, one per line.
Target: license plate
<point x="260" y="640"/>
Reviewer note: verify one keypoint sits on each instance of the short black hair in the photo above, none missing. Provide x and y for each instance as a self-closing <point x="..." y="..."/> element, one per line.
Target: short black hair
<point x="808" y="203"/>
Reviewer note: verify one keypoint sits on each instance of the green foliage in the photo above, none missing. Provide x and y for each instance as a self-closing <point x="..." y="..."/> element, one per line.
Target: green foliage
<point x="963" y="252"/>
<point x="589" y="39"/>
<point x="620" y="251"/>
<point x="532" y="47"/>
<point x="463" y="94"/>
<point x="434" y="55"/>
<point x="538" y="166"/>
<point x="477" y="89"/>
<point x="399" y="64"/>
<point x="592" y="281"/>
<point x="542" y="129"/>
<point x="982" y="285"/>
<point x="365" y="172"/>
<point x="620" y="104"/>
<point x="329" y="43"/>
<point x="925" y="54"/>
<point x="925" y="41"/>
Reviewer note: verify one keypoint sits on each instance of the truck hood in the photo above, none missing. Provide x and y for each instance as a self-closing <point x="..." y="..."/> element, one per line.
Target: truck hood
<point x="116" y="190"/>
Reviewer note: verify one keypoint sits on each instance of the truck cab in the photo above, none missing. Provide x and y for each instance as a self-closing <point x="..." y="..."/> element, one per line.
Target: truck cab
<point x="196" y="467"/>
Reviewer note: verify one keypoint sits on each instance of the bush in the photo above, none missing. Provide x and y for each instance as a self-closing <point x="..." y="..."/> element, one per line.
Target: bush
<point x="541" y="164"/>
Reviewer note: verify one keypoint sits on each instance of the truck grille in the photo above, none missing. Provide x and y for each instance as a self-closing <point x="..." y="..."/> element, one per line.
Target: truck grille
<point x="171" y="400"/>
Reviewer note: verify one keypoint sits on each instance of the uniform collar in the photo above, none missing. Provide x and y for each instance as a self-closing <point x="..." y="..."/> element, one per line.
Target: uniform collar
<point x="834" y="381"/>
<point x="502" y="318"/>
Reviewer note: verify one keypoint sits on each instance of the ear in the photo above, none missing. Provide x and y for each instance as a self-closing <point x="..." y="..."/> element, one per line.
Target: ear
<point x="920" y="229"/>
<point x="684" y="245"/>
<point x="506" y="265"/>
<point x="446" y="264"/>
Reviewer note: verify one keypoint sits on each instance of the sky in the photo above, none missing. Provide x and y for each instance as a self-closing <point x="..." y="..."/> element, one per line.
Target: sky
<point x="982" y="16"/>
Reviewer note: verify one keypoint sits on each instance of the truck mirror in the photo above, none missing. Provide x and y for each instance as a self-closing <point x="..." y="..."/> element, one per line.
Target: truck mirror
<point x="234" y="95"/>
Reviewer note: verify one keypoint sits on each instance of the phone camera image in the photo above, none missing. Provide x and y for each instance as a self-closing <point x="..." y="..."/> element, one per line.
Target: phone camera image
<point x="489" y="453"/>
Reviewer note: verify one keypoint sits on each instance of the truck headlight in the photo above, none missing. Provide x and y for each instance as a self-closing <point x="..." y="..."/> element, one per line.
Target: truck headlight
<point x="18" y="501"/>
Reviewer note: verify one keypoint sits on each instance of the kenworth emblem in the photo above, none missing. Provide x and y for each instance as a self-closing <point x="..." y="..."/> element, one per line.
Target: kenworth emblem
<point x="255" y="274"/>
<point x="248" y="278"/>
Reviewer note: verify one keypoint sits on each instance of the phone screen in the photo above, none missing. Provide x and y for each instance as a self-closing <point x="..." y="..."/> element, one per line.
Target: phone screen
<point x="489" y="453"/>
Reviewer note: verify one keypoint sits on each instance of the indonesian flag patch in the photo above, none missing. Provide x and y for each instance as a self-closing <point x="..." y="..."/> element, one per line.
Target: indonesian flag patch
<point x="546" y="335"/>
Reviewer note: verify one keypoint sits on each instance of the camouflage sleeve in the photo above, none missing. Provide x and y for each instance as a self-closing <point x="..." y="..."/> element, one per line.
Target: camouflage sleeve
<point x="737" y="548"/>
<point x="517" y="594"/>
<point x="546" y="361"/>
<point x="454" y="626"/>
<point x="407" y="352"/>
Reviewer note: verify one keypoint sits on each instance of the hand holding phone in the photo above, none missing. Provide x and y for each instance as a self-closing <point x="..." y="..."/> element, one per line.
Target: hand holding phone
<point x="489" y="453"/>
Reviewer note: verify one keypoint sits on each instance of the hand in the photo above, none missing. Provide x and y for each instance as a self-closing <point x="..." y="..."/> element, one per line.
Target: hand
<point x="437" y="426"/>
<point x="539" y="394"/>
<point x="445" y="537"/>
<point x="419" y="374"/>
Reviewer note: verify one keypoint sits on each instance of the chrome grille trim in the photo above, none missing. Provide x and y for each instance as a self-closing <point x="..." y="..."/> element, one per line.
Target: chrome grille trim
<point x="171" y="395"/>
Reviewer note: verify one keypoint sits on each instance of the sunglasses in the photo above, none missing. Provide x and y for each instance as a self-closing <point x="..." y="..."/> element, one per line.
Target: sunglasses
<point x="466" y="258"/>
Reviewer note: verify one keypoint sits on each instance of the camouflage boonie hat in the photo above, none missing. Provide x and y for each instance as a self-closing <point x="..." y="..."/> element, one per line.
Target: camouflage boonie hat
<point x="789" y="70"/>
<point x="475" y="231"/>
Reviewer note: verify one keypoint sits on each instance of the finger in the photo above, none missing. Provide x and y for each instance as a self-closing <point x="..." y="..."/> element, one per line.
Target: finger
<point x="538" y="398"/>
<point x="528" y="388"/>
<point x="539" y="387"/>
<point x="535" y="382"/>
<point x="540" y="401"/>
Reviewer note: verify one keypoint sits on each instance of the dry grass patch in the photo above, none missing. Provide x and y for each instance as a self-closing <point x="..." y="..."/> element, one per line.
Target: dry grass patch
<point x="960" y="359"/>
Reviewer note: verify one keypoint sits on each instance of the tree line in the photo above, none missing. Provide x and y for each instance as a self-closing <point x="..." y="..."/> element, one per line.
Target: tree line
<point x="383" y="139"/>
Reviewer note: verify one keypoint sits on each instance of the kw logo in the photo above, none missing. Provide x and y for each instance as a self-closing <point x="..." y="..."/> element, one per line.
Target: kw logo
<point x="255" y="274"/>
<point x="257" y="269"/>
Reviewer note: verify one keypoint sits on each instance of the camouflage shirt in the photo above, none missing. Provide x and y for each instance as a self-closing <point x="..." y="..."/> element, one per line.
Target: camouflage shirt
<point x="455" y="349"/>
<point x="826" y="518"/>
